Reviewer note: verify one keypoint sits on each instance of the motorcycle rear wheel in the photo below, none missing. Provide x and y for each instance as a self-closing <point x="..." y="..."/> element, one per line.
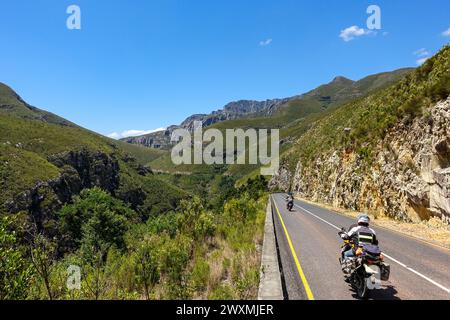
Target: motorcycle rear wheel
<point x="361" y="287"/>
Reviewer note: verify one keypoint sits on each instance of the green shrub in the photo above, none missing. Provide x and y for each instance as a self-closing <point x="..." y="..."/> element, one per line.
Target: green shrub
<point x="255" y="188"/>
<point x="120" y="270"/>
<point x="440" y="90"/>
<point x="412" y="107"/>
<point x="174" y="257"/>
<point x="95" y="219"/>
<point x="194" y="220"/>
<point x="200" y="274"/>
<point x="43" y="256"/>
<point x="365" y="152"/>
<point x="248" y="284"/>
<point x="241" y="209"/>
<point x="146" y="265"/>
<point x="223" y="292"/>
<point x="15" y="270"/>
<point x="166" y="223"/>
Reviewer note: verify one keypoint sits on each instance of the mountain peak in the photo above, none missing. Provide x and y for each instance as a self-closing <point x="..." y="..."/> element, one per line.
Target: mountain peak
<point x="341" y="79"/>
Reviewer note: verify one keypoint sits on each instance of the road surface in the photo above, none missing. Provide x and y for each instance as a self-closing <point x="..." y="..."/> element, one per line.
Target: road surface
<point x="309" y="250"/>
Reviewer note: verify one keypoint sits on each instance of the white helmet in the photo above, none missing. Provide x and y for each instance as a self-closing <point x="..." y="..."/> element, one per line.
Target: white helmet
<point x="363" y="218"/>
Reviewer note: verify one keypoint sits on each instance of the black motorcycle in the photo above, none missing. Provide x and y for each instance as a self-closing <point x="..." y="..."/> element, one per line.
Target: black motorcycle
<point x="366" y="269"/>
<point x="290" y="205"/>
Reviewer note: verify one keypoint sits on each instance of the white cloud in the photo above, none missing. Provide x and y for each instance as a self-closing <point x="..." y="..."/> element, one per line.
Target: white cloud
<point x="423" y="55"/>
<point x="265" y="42"/>
<point x="132" y="133"/>
<point x="422" y="52"/>
<point x="446" y="33"/>
<point x="353" y="32"/>
<point x="421" y="61"/>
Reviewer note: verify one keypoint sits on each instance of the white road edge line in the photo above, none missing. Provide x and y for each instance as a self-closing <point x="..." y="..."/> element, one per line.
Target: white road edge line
<point x="387" y="256"/>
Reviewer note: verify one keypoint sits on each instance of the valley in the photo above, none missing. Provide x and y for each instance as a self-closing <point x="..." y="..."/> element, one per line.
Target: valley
<point x="141" y="227"/>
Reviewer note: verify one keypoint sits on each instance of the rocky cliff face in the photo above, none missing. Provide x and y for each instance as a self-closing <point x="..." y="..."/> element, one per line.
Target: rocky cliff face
<point x="408" y="177"/>
<point x="232" y="111"/>
<point x="80" y="170"/>
<point x="156" y="140"/>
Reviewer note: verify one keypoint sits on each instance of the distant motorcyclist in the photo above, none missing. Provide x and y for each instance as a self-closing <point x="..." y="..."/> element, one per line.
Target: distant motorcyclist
<point x="359" y="234"/>
<point x="290" y="201"/>
<point x="289" y="197"/>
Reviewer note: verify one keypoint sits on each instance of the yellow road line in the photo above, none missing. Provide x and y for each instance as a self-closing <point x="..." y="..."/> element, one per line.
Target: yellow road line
<point x="297" y="262"/>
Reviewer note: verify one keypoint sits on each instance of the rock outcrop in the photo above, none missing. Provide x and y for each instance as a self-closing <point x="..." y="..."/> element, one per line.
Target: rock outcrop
<point x="232" y="111"/>
<point x="80" y="169"/>
<point x="408" y="177"/>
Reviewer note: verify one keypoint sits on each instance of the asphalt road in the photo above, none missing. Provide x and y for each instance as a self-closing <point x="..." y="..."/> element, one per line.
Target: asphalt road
<point x="309" y="250"/>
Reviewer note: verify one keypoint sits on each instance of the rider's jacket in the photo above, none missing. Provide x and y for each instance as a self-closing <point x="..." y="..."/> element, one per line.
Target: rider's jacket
<point x="363" y="235"/>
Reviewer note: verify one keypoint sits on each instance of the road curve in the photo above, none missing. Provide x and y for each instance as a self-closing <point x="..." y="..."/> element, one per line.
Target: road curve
<point x="309" y="250"/>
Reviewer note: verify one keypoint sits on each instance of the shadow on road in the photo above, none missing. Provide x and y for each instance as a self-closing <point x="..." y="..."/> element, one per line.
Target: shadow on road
<point x="388" y="292"/>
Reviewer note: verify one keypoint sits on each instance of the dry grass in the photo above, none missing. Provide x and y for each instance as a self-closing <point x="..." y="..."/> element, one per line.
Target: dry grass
<point x="227" y="266"/>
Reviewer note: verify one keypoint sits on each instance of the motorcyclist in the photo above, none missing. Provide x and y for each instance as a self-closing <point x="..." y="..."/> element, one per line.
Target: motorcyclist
<point x="289" y="197"/>
<point x="290" y="201"/>
<point x="360" y="234"/>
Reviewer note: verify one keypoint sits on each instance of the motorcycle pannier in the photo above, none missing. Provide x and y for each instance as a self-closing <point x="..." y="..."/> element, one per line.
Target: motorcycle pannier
<point x="385" y="271"/>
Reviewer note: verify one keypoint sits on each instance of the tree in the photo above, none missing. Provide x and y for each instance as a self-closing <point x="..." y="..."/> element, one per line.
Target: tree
<point x="102" y="231"/>
<point x="95" y="219"/>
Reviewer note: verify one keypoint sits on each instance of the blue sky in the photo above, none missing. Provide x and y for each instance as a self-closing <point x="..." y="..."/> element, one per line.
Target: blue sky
<point x="141" y="65"/>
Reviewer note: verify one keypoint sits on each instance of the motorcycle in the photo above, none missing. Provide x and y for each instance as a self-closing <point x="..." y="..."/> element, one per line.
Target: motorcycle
<point x="289" y="202"/>
<point x="290" y="205"/>
<point x="366" y="269"/>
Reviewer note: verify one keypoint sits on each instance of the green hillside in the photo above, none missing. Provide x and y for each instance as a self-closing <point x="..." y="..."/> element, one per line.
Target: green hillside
<point x="41" y="152"/>
<point x="293" y="119"/>
<point x="319" y="100"/>
<point x="370" y="117"/>
<point x="299" y="115"/>
<point x="12" y="104"/>
<point x="72" y="197"/>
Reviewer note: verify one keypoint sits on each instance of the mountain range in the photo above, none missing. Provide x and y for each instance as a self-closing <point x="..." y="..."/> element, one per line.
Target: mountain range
<point x="45" y="160"/>
<point x="338" y="91"/>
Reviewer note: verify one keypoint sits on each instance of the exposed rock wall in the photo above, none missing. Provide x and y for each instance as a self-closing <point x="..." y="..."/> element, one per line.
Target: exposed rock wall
<point x="80" y="170"/>
<point x="232" y="111"/>
<point x="408" y="177"/>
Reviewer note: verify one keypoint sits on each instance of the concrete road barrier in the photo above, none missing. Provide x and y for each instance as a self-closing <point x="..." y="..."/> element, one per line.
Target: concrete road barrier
<point x="270" y="287"/>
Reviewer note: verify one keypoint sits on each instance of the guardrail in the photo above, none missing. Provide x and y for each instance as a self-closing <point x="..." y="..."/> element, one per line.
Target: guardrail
<point x="270" y="287"/>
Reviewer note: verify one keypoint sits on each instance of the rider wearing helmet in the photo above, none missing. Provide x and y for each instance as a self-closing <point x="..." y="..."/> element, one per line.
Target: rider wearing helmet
<point x="290" y="197"/>
<point x="360" y="234"/>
